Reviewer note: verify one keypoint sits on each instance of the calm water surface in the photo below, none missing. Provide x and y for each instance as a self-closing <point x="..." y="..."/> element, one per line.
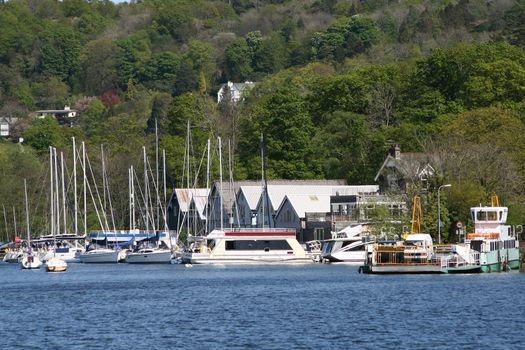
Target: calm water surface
<point x="257" y="307"/>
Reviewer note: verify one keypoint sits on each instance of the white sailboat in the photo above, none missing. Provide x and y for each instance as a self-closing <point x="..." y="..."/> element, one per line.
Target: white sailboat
<point x="29" y="260"/>
<point x="95" y="253"/>
<point x="54" y="263"/>
<point x="157" y="251"/>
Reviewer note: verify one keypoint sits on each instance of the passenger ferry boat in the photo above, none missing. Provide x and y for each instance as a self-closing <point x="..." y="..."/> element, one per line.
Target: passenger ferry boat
<point x="417" y="254"/>
<point x="492" y="247"/>
<point x="496" y="242"/>
<point x="247" y="246"/>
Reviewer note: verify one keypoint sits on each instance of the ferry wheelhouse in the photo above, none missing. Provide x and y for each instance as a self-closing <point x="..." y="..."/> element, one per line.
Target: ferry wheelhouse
<point x="245" y="246"/>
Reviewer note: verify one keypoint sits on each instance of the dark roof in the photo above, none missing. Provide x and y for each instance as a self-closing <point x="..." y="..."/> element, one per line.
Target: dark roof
<point x="408" y="164"/>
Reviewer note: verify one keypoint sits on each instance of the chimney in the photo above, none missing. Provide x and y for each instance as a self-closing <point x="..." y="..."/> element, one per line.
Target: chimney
<point x="394" y="151"/>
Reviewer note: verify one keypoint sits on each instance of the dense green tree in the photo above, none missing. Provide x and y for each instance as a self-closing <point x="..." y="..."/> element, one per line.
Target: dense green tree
<point x="98" y="63"/>
<point x="272" y="56"/>
<point x="160" y="72"/>
<point x="60" y="52"/>
<point x="238" y="61"/>
<point x="201" y="55"/>
<point x="449" y="71"/>
<point x="51" y="93"/>
<point x="513" y="30"/>
<point x="131" y="55"/>
<point x="345" y="38"/>
<point x="344" y="149"/>
<point x="91" y="23"/>
<point x="283" y="119"/>
<point x="338" y="93"/>
<point x="47" y="132"/>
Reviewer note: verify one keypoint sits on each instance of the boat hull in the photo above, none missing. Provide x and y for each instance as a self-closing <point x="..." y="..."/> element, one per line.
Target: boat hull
<point x="105" y="257"/>
<point x="498" y="261"/>
<point x="69" y="257"/>
<point x="351" y="258"/>
<point x="155" y="257"/>
<point x="30" y="262"/>
<point x="209" y="259"/>
<point x="12" y="257"/>
<point x="56" y="265"/>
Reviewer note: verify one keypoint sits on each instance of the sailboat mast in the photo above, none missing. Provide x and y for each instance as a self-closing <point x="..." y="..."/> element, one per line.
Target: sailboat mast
<point x="5" y="221"/>
<point x="75" y="186"/>
<point x="103" y="178"/>
<point x="146" y="189"/>
<point x="220" y="179"/>
<point x="165" y="194"/>
<point x="207" y="184"/>
<point x="57" y="193"/>
<point x="263" y="197"/>
<point x="51" y="195"/>
<point x="63" y="191"/>
<point x="157" y="172"/>
<point x="132" y="199"/>
<point x="85" y="185"/>
<point x="188" y="175"/>
<point x="14" y="219"/>
<point x="27" y="215"/>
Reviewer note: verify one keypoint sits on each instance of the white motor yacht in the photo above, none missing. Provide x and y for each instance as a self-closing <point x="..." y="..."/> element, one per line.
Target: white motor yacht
<point x="68" y="254"/>
<point x="247" y="246"/>
<point x="346" y="246"/>
<point x="13" y="256"/>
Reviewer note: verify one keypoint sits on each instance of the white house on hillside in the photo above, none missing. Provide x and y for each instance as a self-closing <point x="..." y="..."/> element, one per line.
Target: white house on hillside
<point x="236" y="90"/>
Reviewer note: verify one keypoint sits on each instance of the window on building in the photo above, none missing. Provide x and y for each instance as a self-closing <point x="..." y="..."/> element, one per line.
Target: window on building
<point x="319" y="233"/>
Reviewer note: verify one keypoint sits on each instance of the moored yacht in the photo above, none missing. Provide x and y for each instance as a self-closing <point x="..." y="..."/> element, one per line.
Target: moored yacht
<point x="346" y="246"/>
<point x="149" y="256"/>
<point x="56" y="265"/>
<point x="64" y="247"/>
<point x="30" y="261"/>
<point x="100" y="255"/>
<point x="151" y="251"/>
<point x="13" y="256"/>
<point x="247" y="246"/>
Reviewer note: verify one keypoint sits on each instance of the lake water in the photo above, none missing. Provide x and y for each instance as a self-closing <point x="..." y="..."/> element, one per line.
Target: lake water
<point x="316" y="306"/>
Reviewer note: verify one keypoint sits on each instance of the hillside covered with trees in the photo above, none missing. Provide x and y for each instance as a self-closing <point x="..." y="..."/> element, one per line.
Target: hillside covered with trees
<point x="337" y="82"/>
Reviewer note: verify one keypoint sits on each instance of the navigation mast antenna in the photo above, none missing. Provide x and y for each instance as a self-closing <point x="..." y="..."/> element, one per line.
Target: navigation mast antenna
<point x="417" y="215"/>
<point x="494" y="200"/>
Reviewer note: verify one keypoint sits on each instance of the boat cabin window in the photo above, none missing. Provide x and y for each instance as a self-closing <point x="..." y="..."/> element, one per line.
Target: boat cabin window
<point x="210" y="243"/>
<point x="476" y="245"/>
<point x="258" y="245"/>
<point x="487" y="215"/>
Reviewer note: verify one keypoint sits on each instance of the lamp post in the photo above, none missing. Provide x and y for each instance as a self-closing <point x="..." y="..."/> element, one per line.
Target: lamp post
<point x="439" y="212"/>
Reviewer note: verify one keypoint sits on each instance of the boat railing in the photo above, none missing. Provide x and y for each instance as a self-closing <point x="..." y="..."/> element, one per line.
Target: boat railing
<point x="314" y="246"/>
<point x="443" y="248"/>
<point x="404" y="255"/>
<point x="140" y="232"/>
<point x="259" y="229"/>
<point x="455" y="260"/>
